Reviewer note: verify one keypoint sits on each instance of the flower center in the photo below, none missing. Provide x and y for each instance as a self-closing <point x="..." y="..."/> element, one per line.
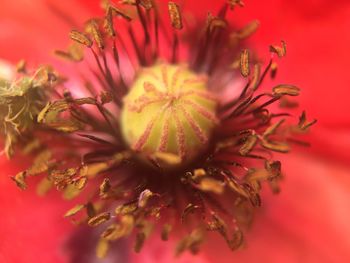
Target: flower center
<point x="169" y="115"/>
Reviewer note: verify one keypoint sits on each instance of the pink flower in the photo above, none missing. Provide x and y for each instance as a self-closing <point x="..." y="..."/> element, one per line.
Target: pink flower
<point x="306" y="222"/>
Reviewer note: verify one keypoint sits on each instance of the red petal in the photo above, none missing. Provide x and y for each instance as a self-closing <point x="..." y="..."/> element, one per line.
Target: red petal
<point x="316" y="32"/>
<point x="32" y="229"/>
<point x="317" y="39"/>
<point x="33" y="29"/>
<point x="330" y="143"/>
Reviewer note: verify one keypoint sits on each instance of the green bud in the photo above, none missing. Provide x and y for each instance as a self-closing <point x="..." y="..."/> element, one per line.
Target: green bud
<point x="169" y="115"/>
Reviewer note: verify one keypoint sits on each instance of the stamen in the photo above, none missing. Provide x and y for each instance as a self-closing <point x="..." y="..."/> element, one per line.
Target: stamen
<point x="256" y="77"/>
<point x="108" y="22"/>
<point x="176" y="22"/>
<point x="92" y="27"/>
<point x="118" y="12"/>
<point x="286" y="90"/>
<point x="175" y="15"/>
<point x="303" y="124"/>
<point x="234" y="3"/>
<point x="248" y="30"/>
<point x="280" y="51"/>
<point x="245" y="63"/>
<point x="147" y="4"/>
<point x="274" y="68"/>
<point x="81" y="38"/>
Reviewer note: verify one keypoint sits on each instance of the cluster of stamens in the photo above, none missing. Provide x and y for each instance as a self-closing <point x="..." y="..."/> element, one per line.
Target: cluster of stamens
<point x="160" y="147"/>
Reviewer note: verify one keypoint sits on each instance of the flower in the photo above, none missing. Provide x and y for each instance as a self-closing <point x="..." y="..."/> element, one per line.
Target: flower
<point x="285" y="221"/>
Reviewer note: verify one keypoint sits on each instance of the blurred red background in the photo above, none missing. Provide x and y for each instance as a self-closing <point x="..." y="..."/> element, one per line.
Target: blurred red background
<point x="308" y="222"/>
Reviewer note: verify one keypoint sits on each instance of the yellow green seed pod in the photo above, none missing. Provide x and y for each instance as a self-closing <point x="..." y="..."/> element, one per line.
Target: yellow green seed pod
<point x="169" y="115"/>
